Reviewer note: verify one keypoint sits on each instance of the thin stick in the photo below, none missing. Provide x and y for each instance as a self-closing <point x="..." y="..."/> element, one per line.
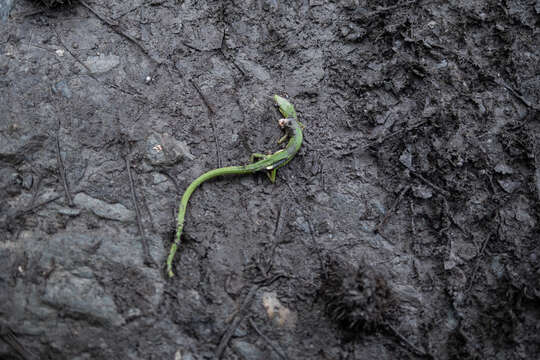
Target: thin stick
<point x="479" y="257"/>
<point x="205" y="101"/>
<point x="89" y="71"/>
<point x="347" y="122"/>
<point x="311" y="232"/>
<point x="390" y="8"/>
<point x="392" y="209"/>
<point x="62" y="171"/>
<point x="412" y="347"/>
<point x="476" y="266"/>
<point x="7" y="334"/>
<point x="516" y="94"/>
<point x="73" y="55"/>
<point x="117" y="29"/>
<point x="146" y="250"/>
<point x="212" y="112"/>
<point x="237" y="320"/>
<point x="28" y="13"/>
<point x="453" y="219"/>
<point x="397" y="132"/>
<point x="33" y="208"/>
<point x="232" y="62"/>
<point x="279" y="222"/>
<point x="279" y="228"/>
<point x="442" y="191"/>
<point x="274" y="347"/>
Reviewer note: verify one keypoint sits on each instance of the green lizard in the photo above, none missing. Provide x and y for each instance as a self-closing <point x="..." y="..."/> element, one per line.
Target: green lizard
<point x="269" y="163"/>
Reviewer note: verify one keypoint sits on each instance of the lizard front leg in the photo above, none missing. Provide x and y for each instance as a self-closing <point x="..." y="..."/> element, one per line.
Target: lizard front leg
<point x="283" y="138"/>
<point x="257" y="156"/>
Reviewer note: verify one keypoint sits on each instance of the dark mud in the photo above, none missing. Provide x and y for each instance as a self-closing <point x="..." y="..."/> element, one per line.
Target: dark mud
<point x="420" y="175"/>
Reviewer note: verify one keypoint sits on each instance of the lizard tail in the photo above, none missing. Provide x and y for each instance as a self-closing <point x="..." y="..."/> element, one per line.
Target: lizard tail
<point x="229" y="170"/>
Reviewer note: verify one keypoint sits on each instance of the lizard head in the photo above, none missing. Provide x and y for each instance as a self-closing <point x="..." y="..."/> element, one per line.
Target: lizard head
<point x="285" y="107"/>
<point x="285" y="123"/>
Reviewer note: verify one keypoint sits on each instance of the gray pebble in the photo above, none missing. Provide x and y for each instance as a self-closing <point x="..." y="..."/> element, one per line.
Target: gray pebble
<point x="247" y="351"/>
<point x="103" y="209"/>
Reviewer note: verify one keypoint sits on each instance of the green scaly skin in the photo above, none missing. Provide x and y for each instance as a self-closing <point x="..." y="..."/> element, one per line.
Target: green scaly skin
<point x="269" y="163"/>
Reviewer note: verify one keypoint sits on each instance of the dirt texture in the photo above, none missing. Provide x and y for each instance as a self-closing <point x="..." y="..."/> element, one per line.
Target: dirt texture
<point x="407" y="227"/>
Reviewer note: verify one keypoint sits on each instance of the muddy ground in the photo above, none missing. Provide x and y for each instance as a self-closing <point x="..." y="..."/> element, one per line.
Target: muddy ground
<point x="407" y="227"/>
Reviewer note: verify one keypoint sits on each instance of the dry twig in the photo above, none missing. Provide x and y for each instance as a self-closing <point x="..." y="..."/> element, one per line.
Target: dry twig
<point x="146" y="250"/>
<point x="212" y="113"/>
<point x="270" y="343"/>
<point x="392" y="209"/>
<point x="237" y="319"/>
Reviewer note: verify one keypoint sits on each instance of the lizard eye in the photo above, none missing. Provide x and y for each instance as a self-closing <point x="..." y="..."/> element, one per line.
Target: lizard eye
<point x="283" y="122"/>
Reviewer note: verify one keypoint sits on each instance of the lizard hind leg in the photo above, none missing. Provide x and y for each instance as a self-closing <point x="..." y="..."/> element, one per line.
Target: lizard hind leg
<point x="272" y="175"/>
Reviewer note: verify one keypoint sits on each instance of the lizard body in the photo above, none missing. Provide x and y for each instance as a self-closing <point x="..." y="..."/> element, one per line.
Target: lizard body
<point x="269" y="163"/>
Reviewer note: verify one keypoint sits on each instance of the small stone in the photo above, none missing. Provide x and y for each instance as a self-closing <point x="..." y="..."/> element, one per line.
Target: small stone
<point x="504" y="169"/>
<point x="324" y="226"/>
<point x="62" y="88"/>
<point x="277" y="312"/>
<point x="240" y="332"/>
<point x="102" y="63"/>
<point x="353" y="32"/>
<point x="178" y="355"/>
<point x="322" y="198"/>
<point x="247" y="351"/>
<point x="158" y="178"/>
<point x="163" y="149"/>
<point x="509" y="186"/>
<point x="497" y="267"/>
<point x="10" y="181"/>
<point x="254" y="69"/>
<point x="69" y="211"/>
<point x="422" y="192"/>
<point x="350" y="4"/>
<point x="449" y="264"/>
<point x="345" y="30"/>
<point x="406" y="158"/>
<point x="27" y="181"/>
<point x="181" y="354"/>
<point x="429" y="111"/>
<point x="537" y="176"/>
<point x="133" y="313"/>
<point x="81" y="297"/>
<point x="103" y="209"/>
<point x="5" y="8"/>
<point x="302" y="224"/>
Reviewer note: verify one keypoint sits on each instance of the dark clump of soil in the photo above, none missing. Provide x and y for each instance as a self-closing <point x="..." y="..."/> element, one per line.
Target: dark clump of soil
<point x="357" y="299"/>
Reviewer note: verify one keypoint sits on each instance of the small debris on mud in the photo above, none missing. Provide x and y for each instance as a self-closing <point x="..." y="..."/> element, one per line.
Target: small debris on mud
<point x="277" y="312"/>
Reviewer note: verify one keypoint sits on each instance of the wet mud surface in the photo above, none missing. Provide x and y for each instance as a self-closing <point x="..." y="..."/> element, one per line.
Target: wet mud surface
<point x="407" y="227"/>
